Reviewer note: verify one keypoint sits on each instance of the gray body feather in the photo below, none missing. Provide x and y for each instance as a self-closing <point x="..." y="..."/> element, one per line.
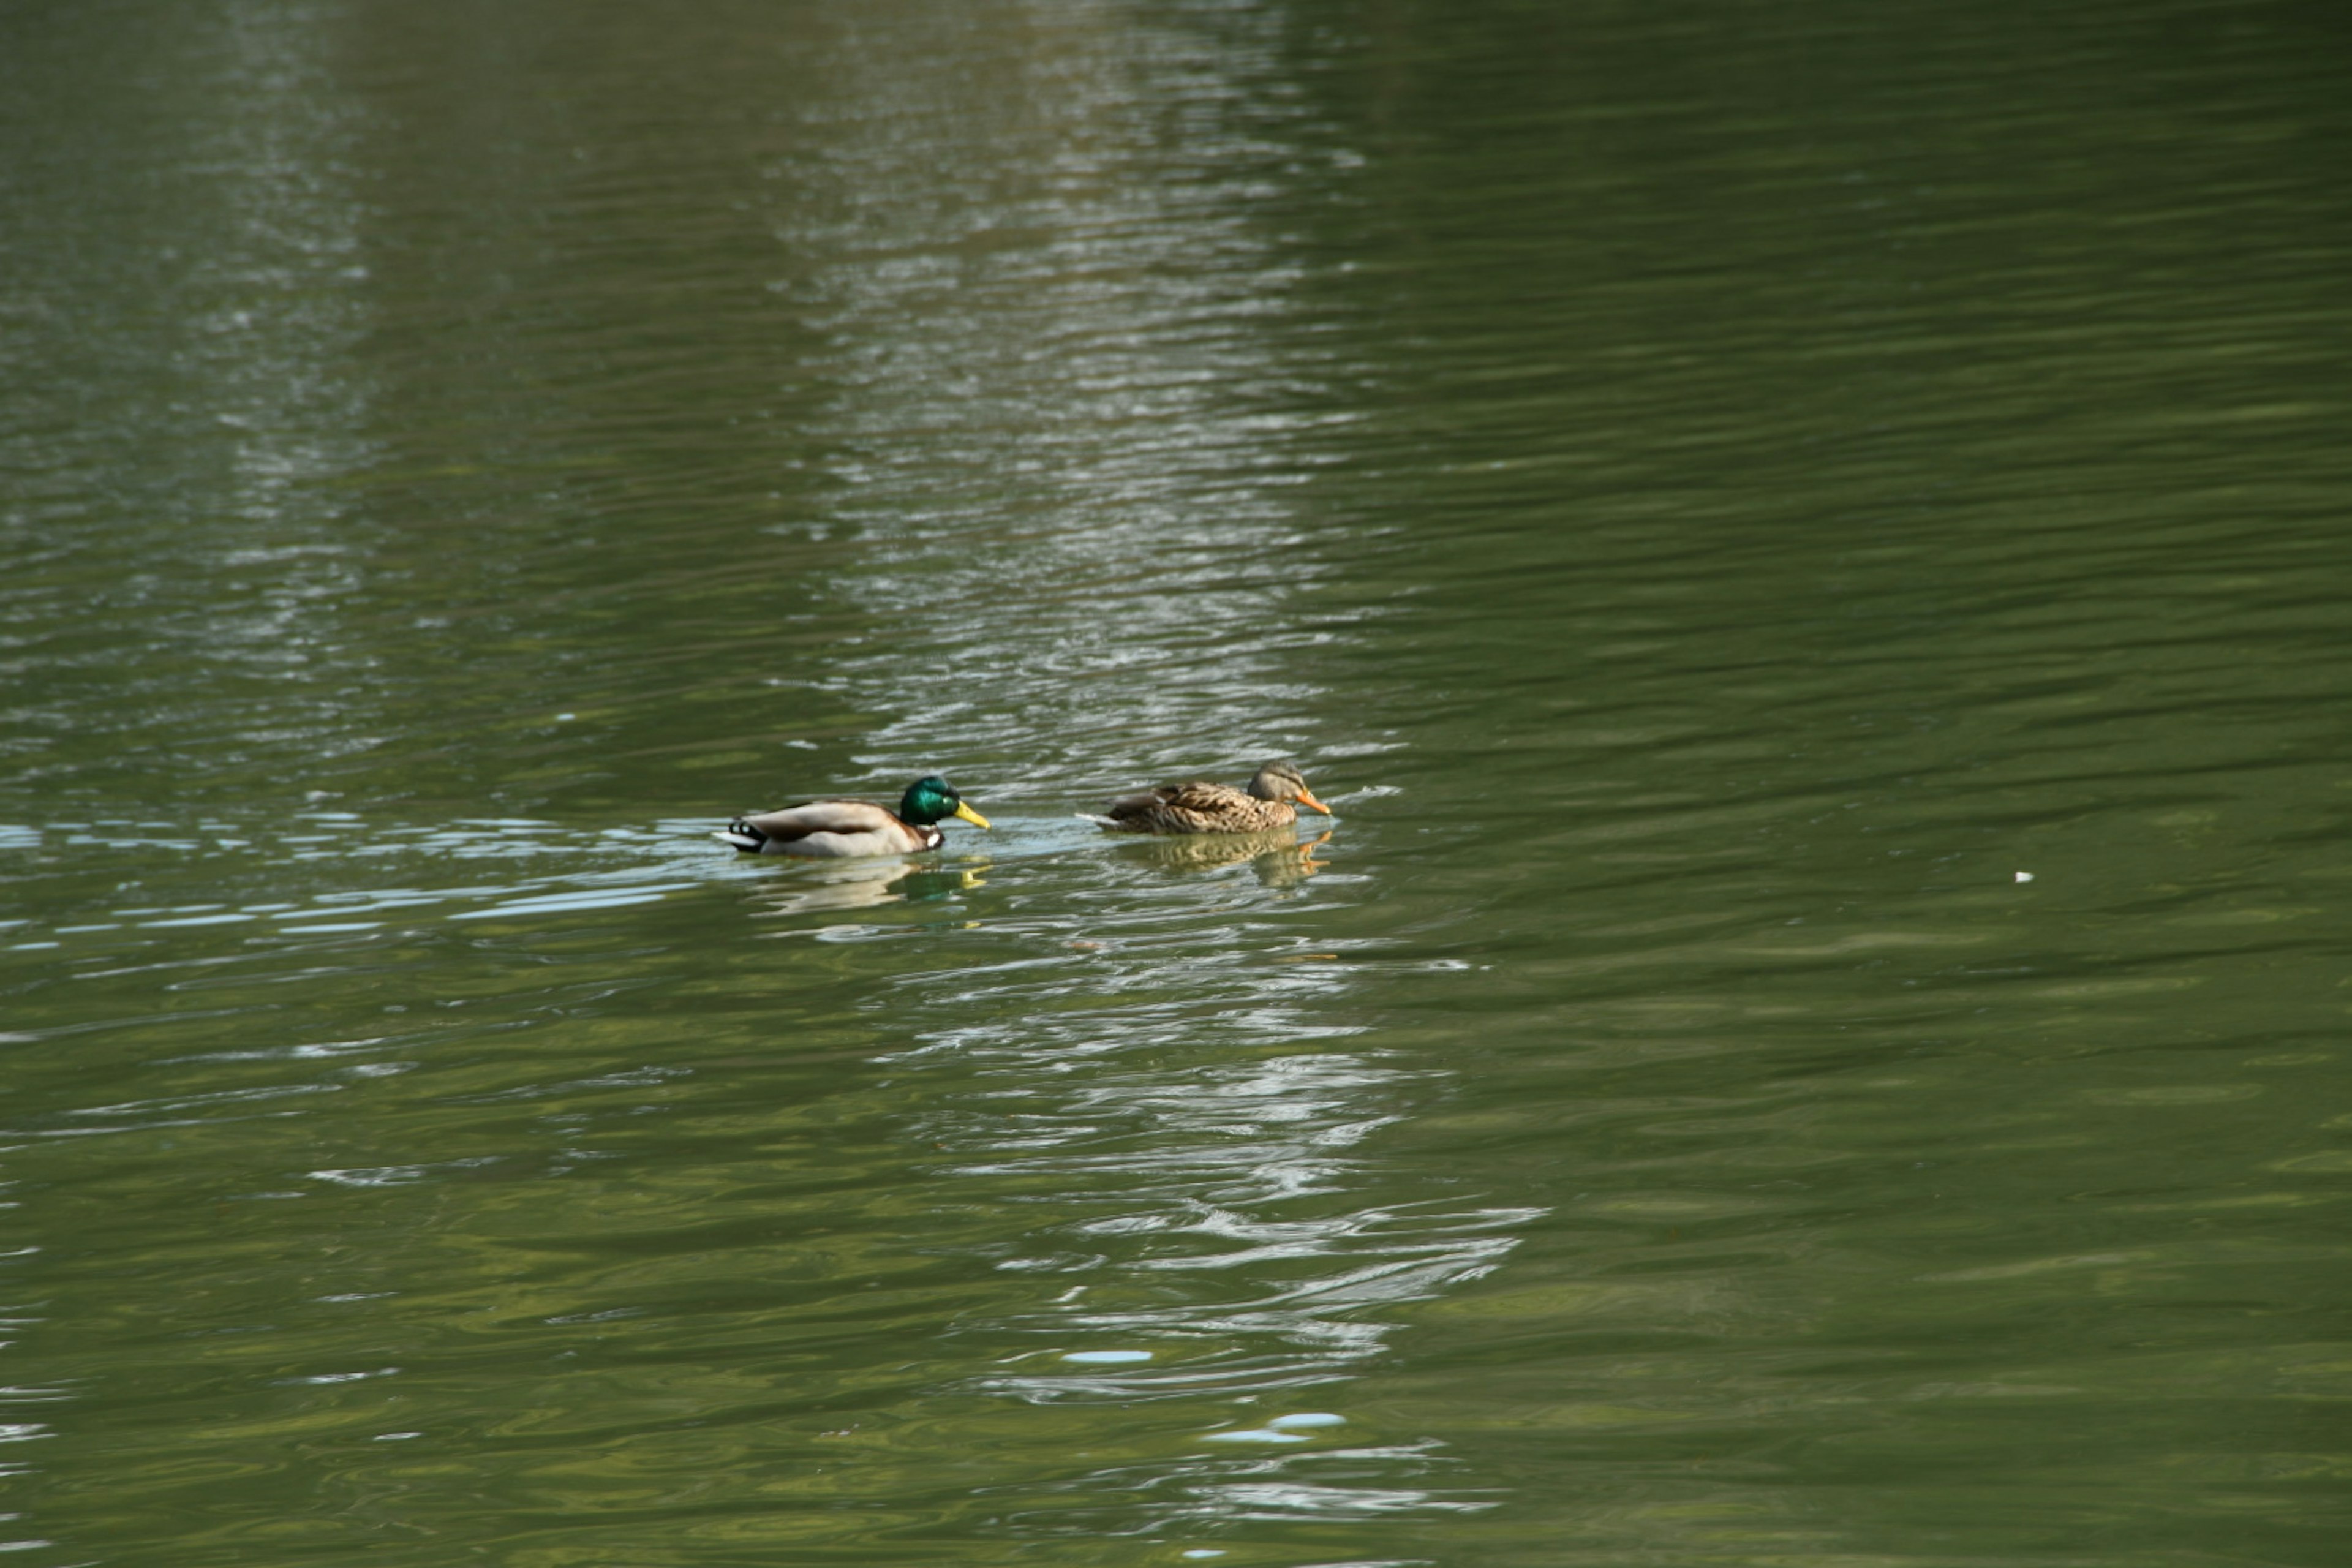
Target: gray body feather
<point x="829" y="829"/>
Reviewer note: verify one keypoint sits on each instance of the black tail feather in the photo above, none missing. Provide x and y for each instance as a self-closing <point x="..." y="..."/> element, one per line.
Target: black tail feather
<point x="743" y="836"/>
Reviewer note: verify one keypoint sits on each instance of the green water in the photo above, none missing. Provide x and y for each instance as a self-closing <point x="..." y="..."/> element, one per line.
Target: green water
<point x="1711" y="495"/>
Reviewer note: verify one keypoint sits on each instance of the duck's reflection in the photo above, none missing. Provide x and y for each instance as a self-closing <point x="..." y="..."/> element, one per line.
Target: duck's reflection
<point x="862" y="884"/>
<point x="1277" y="855"/>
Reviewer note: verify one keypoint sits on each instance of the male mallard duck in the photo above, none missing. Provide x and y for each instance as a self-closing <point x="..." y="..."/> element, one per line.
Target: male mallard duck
<point x="837" y="829"/>
<point x="1197" y="805"/>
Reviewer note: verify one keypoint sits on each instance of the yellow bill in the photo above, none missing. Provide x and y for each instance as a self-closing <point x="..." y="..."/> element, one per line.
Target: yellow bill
<point x="971" y="815"/>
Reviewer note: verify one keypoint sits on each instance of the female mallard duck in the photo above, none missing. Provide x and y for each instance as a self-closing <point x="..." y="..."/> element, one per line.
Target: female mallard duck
<point x="835" y="828"/>
<point x="1197" y="805"/>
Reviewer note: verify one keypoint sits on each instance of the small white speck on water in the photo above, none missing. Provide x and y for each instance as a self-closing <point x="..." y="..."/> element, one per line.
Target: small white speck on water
<point x="565" y="717"/>
<point x="2025" y="876"/>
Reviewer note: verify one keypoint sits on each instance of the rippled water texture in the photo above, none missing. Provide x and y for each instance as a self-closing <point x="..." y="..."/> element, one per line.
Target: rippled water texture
<point x="1717" y="497"/>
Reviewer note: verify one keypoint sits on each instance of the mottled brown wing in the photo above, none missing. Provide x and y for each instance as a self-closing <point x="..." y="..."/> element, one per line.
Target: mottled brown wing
<point x="1193" y="795"/>
<point x="1199" y="795"/>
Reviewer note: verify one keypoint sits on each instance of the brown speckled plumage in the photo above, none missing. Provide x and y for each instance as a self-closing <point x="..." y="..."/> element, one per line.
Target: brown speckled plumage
<point x="1197" y="805"/>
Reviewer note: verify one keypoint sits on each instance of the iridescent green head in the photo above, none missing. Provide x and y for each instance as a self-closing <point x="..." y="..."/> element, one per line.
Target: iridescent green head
<point x="928" y="800"/>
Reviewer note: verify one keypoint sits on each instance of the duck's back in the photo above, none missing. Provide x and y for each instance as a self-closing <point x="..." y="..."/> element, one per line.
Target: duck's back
<point x="829" y="829"/>
<point x="1197" y="805"/>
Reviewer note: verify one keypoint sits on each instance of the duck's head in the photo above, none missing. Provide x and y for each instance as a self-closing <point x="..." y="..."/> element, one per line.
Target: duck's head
<point x="1283" y="781"/>
<point x="928" y="800"/>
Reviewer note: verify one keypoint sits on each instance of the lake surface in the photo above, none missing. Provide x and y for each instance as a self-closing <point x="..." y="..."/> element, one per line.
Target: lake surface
<point x="1807" y="546"/>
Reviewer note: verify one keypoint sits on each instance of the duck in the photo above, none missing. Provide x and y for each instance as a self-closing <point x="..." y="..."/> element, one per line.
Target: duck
<point x="837" y="829"/>
<point x="1197" y="805"/>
